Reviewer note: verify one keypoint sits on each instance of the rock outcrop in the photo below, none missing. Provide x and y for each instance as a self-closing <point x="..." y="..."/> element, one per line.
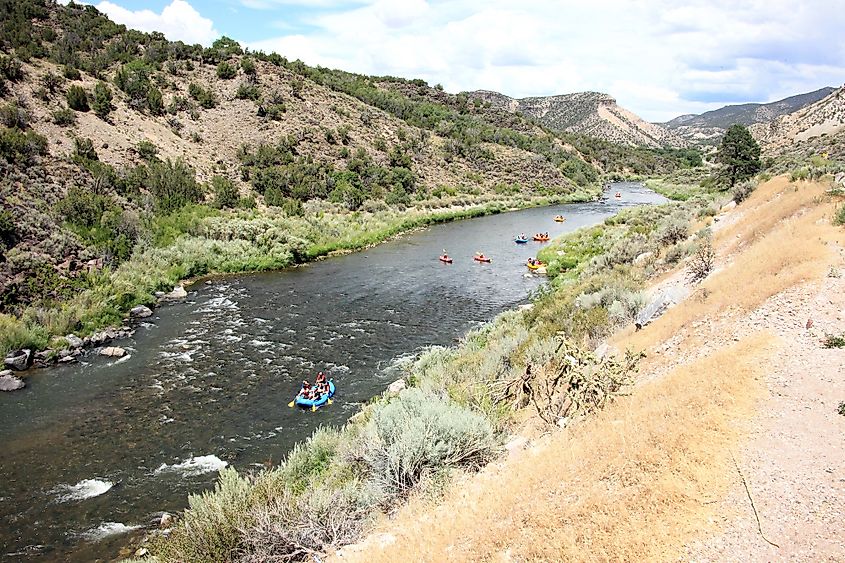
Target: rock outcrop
<point x="590" y="113"/>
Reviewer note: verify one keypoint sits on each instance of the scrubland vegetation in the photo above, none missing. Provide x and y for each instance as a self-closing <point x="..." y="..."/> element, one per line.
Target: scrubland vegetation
<point x="148" y="221"/>
<point x="505" y="368"/>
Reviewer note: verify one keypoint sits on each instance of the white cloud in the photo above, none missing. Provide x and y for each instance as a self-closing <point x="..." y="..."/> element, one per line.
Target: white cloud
<point x="178" y="21"/>
<point x="659" y="58"/>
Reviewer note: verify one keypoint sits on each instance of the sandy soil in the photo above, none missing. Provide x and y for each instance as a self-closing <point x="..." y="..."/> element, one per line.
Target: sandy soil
<point x="794" y="462"/>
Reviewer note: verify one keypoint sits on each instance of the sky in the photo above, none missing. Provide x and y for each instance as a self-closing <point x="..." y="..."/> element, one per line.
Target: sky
<point x="658" y="58"/>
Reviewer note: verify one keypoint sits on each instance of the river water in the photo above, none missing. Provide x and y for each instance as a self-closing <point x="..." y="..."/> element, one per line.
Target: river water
<point x="94" y="451"/>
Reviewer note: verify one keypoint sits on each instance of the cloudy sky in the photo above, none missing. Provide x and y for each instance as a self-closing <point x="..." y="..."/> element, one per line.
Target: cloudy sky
<point x="658" y="58"/>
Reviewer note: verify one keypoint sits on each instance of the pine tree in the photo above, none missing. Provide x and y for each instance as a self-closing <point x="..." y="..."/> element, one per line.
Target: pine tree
<point x="739" y="155"/>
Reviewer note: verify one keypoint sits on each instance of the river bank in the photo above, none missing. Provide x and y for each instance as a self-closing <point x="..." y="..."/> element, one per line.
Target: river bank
<point x="207" y="244"/>
<point x="728" y="443"/>
<point x="348" y="476"/>
<point x="206" y="379"/>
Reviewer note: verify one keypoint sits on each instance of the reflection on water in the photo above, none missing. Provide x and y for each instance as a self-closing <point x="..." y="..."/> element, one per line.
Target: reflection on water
<point x="94" y="451"/>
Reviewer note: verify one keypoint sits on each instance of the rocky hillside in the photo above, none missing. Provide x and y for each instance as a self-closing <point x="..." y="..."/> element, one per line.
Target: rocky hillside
<point x="115" y="143"/>
<point x="824" y="119"/>
<point x="708" y="127"/>
<point x="590" y="113"/>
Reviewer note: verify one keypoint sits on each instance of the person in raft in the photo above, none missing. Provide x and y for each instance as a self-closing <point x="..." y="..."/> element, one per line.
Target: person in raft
<point x="321" y="384"/>
<point x="306" y="392"/>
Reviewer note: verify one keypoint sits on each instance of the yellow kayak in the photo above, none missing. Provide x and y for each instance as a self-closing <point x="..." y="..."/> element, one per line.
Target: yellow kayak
<point x="534" y="266"/>
<point x="560" y="219"/>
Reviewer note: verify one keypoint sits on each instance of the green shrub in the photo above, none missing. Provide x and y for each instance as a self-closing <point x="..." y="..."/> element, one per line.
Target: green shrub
<point x="77" y="98"/>
<point x="420" y="432"/>
<point x="173" y="184"/>
<point x="839" y="216"/>
<point x="83" y="149"/>
<point x="155" y="102"/>
<point x="248" y="66"/>
<point x="800" y="174"/>
<point x="13" y="115"/>
<point x="83" y="208"/>
<point x="11" y="68"/>
<point x="16" y="334"/>
<point x="8" y="231"/>
<point x="834" y="341"/>
<point x="225" y="192"/>
<point x="102" y="100"/>
<point x="19" y="147"/>
<point x="226" y="71"/>
<point x="209" y="528"/>
<point x="147" y="150"/>
<point x="133" y="79"/>
<point x="742" y="190"/>
<point x="71" y="72"/>
<point x="248" y="91"/>
<point x="204" y="97"/>
<point x="51" y="82"/>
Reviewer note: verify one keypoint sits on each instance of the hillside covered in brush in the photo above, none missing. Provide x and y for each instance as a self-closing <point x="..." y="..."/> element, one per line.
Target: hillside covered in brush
<point x="116" y="145"/>
<point x="588" y="113"/>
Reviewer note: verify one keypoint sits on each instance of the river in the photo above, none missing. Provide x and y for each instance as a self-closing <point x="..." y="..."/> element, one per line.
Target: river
<point x="94" y="451"/>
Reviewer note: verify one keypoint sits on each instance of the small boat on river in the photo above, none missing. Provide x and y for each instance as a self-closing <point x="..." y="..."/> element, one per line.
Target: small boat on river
<point x="559" y="219"/>
<point x="481" y="258"/>
<point x="534" y="265"/>
<point x="520" y="240"/>
<point x="314" y="404"/>
<point x="542" y="238"/>
<point x="445" y="259"/>
<point x="618" y="195"/>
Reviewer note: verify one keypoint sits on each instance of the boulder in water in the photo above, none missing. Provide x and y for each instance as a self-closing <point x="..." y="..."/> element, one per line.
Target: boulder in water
<point x="20" y="360"/>
<point x="9" y="382"/>
<point x="177" y="293"/>
<point x="141" y="312"/>
<point x="113" y="351"/>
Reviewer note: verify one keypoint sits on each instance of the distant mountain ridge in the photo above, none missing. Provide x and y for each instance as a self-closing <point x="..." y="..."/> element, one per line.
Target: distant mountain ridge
<point x="590" y="113"/>
<point x="818" y="123"/>
<point x="711" y="125"/>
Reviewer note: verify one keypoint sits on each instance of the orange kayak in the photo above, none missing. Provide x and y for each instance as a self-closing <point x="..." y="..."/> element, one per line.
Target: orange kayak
<point x="542" y="239"/>
<point x="482" y="259"/>
<point x="446" y="259"/>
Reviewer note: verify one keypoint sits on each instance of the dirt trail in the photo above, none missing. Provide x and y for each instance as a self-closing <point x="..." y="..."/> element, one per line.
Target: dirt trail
<point x="794" y="461"/>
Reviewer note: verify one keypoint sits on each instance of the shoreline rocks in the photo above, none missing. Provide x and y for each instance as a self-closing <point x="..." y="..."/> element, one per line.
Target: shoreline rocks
<point x="140" y="312"/>
<point x="10" y="382"/>
<point x="19" y="360"/>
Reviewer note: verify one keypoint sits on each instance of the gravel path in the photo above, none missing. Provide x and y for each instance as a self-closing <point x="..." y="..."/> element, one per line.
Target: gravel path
<point x="794" y="462"/>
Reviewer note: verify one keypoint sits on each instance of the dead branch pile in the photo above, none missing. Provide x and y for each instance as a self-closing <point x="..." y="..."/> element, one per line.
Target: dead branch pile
<point x="574" y="383"/>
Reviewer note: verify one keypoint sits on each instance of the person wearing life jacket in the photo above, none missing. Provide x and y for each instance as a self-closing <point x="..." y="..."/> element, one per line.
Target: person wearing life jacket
<point x="322" y="386"/>
<point x="305" y="391"/>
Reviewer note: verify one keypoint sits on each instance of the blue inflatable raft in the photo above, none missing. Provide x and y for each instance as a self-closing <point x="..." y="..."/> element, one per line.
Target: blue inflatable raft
<point x="520" y="240"/>
<point x="316" y="403"/>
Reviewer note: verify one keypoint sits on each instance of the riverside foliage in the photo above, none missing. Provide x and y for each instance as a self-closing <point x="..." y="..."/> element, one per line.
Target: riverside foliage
<point x="452" y="417"/>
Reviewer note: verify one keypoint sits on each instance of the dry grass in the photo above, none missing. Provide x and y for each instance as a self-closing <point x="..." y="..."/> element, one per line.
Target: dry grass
<point x="782" y="239"/>
<point x="632" y="483"/>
